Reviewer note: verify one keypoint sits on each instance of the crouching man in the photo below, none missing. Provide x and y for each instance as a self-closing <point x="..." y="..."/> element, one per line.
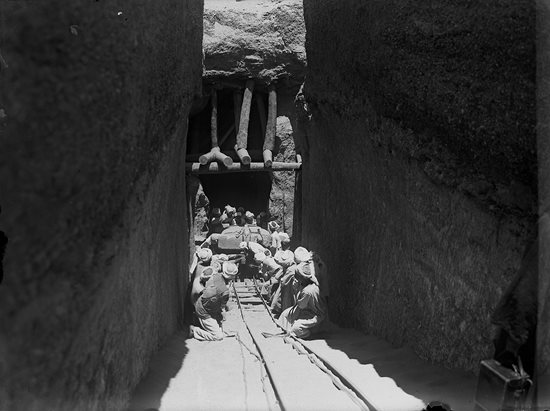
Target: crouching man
<point x="309" y="311"/>
<point x="210" y="304"/>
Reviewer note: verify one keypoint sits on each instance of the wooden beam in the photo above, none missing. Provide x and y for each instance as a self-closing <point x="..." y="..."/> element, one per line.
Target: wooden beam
<point x="214" y="154"/>
<point x="242" y="134"/>
<point x="271" y="127"/>
<point x="215" y="168"/>
<point x="214" y="119"/>
<point x="217" y="155"/>
<point x="255" y="155"/>
<point x="268" y="158"/>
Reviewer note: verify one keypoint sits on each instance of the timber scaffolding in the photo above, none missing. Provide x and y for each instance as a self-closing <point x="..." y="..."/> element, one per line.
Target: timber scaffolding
<point x="217" y="162"/>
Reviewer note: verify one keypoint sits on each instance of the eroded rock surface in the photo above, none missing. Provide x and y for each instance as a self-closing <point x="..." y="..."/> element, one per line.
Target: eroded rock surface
<point x="281" y="201"/>
<point x="259" y="39"/>
<point x="419" y="189"/>
<point x="92" y="171"/>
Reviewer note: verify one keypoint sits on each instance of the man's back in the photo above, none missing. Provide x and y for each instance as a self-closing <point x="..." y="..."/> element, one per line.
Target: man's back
<point x="213" y="298"/>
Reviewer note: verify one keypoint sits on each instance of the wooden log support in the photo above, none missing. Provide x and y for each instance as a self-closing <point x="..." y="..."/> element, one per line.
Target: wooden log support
<point x="242" y="134"/>
<point x="271" y="127"/>
<point x="214" y="153"/>
<point x="268" y="158"/>
<point x="215" y="168"/>
<point x="214" y="119"/>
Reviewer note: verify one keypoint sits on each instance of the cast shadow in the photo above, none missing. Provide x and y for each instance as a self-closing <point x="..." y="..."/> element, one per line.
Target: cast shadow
<point x="164" y="366"/>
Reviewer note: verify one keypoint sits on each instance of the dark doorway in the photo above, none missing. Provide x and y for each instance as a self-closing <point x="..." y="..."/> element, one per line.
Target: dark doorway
<point x="249" y="190"/>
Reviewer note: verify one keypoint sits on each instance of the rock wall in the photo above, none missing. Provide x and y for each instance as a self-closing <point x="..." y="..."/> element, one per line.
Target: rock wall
<point x="94" y="102"/>
<point x="281" y="199"/>
<point x="543" y="154"/>
<point x="256" y="39"/>
<point x="419" y="186"/>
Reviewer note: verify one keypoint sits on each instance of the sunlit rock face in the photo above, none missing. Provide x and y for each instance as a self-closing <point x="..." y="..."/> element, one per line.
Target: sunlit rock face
<point x="264" y="40"/>
<point x="419" y="180"/>
<point x="94" y="99"/>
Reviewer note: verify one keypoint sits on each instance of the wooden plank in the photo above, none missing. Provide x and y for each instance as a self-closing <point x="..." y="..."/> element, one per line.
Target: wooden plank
<point x="215" y="168"/>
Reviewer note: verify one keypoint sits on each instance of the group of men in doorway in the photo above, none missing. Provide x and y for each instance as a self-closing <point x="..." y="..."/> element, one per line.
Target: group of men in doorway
<point x="293" y="283"/>
<point x="219" y="220"/>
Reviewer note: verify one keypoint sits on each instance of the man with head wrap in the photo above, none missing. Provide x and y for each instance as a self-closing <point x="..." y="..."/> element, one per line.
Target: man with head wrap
<point x="309" y="311"/>
<point x="211" y="302"/>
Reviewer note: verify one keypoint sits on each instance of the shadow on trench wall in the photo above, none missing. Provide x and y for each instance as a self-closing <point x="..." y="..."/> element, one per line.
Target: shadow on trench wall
<point x="165" y="365"/>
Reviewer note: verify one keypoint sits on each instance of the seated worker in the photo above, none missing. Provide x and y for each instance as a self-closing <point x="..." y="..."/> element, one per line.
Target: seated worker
<point x="270" y="272"/>
<point x="289" y="285"/>
<point x="249" y="264"/>
<point x="210" y="304"/>
<point x="215" y="225"/>
<point x="219" y="259"/>
<point x="249" y="218"/>
<point x="309" y="311"/>
<point x="198" y="284"/>
<point x="228" y="216"/>
<point x="201" y="260"/>
<point x="284" y="294"/>
<point x="320" y="272"/>
<point x="285" y="241"/>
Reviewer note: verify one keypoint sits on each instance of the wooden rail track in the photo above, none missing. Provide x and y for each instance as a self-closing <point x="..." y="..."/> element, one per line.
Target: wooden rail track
<point x="300" y="377"/>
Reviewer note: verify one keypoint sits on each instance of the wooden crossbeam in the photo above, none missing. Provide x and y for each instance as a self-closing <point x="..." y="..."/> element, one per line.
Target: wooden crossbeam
<point x="215" y="168"/>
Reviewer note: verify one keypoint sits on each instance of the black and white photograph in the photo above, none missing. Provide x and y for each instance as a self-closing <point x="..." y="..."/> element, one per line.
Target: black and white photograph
<point x="275" y="205"/>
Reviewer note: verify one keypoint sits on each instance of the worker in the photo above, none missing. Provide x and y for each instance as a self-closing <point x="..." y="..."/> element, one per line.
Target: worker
<point x="270" y="272"/>
<point x="320" y="272"/>
<point x="239" y="217"/>
<point x="249" y="218"/>
<point x="273" y="229"/>
<point x="309" y="311"/>
<point x="248" y="265"/>
<point x="201" y="260"/>
<point x="228" y="216"/>
<point x="262" y="220"/>
<point x="198" y="284"/>
<point x="285" y="240"/>
<point x="209" y="306"/>
<point x="285" y="259"/>
<point x="253" y="248"/>
<point x="216" y="265"/>
<point x="215" y="226"/>
<point x="285" y="295"/>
